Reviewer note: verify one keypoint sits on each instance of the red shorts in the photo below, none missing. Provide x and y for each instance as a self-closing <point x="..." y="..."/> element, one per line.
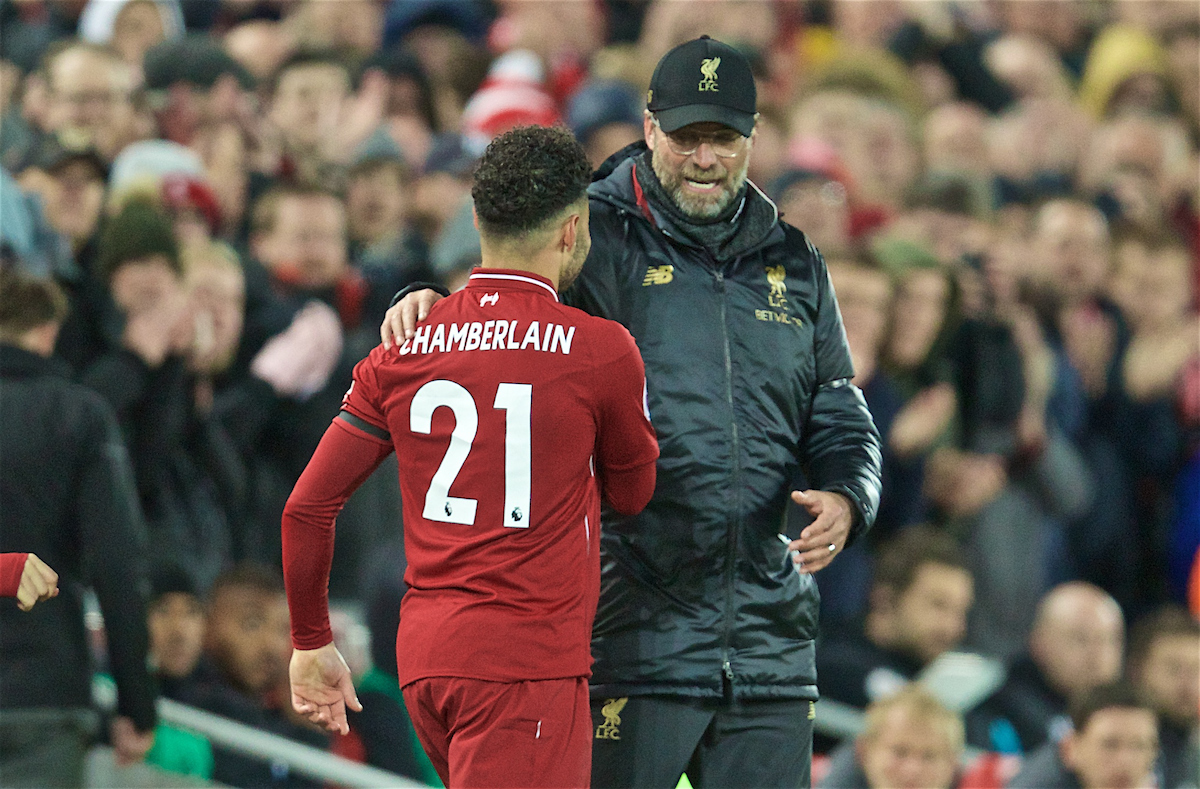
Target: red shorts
<point x="477" y="733"/>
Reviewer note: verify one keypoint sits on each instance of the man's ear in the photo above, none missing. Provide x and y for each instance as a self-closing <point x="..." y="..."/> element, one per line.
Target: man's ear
<point x="570" y="232"/>
<point x="648" y="129"/>
<point x="474" y="215"/>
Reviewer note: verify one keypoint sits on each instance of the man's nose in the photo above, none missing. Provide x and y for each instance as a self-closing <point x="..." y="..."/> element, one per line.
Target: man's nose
<point x="705" y="156"/>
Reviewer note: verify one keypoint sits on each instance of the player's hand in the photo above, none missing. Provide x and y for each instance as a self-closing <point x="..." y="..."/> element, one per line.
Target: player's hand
<point x="400" y="322"/>
<point x="826" y="536"/>
<point x="129" y="745"/>
<point x="322" y="687"/>
<point x="38" y="583"/>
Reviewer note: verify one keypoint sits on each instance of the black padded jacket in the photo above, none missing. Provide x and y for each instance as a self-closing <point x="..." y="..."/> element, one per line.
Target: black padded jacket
<point x="748" y="385"/>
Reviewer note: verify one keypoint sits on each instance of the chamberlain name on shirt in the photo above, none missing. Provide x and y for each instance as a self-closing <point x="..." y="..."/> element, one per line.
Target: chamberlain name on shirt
<point x="490" y="336"/>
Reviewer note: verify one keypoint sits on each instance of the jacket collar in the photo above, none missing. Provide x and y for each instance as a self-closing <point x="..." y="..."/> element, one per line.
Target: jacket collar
<point x="19" y="363"/>
<point x="615" y="183"/>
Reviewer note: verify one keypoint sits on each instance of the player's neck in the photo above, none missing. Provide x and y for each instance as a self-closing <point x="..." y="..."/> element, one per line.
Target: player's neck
<point x="545" y="265"/>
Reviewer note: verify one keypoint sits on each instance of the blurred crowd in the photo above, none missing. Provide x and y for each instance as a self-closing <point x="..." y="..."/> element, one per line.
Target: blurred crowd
<point x="1006" y="191"/>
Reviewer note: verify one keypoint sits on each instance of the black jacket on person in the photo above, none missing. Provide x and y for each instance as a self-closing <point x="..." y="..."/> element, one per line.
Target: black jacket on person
<point x="189" y="477"/>
<point x="67" y="494"/>
<point x="1025" y="709"/>
<point x="748" y="385"/>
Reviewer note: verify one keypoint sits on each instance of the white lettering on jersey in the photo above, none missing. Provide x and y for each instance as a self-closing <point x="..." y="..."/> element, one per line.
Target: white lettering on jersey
<point x="561" y="339"/>
<point x="489" y="336"/>
<point x="531" y="336"/>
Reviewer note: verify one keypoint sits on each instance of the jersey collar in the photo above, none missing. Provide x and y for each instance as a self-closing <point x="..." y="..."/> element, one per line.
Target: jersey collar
<point x="491" y="278"/>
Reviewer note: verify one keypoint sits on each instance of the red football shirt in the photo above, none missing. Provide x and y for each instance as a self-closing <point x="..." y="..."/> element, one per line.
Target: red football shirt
<point x="508" y="412"/>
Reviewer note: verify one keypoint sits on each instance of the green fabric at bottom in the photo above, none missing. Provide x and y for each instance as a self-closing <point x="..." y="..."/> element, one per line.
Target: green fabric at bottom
<point x="179" y="751"/>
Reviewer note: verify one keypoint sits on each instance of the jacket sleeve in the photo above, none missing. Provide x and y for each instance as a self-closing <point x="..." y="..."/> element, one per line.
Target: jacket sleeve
<point x="840" y="448"/>
<point x="113" y="536"/>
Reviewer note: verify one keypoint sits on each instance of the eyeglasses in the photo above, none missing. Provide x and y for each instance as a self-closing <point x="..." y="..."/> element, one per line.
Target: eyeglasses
<point x="726" y="143"/>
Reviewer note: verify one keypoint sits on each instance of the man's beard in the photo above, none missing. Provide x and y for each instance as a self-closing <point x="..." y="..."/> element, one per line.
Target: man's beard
<point x="570" y="272"/>
<point x="693" y="205"/>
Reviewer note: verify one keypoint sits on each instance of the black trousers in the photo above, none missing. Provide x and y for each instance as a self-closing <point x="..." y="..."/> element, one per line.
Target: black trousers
<point x="650" y="741"/>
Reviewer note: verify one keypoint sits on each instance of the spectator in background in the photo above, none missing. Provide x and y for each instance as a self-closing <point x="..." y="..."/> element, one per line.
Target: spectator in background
<point x="442" y="208"/>
<point x="864" y="296"/>
<point x="410" y="116"/>
<point x="817" y="199"/>
<point x="66" y="494"/>
<point x="1075" y="646"/>
<point x="384" y="245"/>
<point x="131" y="26"/>
<point x="71" y="183"/>
<point x="605" y="116"/>
<point x="921" y="593"/>
<point x="193" y="83"/>
<point x="319" y="119"/>
<point x="260" y="46"/>
<point x="244" y="674"/>
<point x="188" y="476"/>
<point x="175" y="620"/>
<point x="89" y="97"/>
<point x="1113" y="745"/>
<point x="1164" y="664"/>
<point x="908" y="741"/>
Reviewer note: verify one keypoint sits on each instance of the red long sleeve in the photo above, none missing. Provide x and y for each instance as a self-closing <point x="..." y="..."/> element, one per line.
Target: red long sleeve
<point x="345" y="457"/>
<point x="12" y="565"/>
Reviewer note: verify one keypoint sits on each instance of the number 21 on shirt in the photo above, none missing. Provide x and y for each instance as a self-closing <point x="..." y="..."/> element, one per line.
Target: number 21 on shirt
<point x="515" y="401"/>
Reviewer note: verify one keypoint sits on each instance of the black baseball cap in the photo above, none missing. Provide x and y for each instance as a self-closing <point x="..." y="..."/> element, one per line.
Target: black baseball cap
<point x="51" y="154"/>
<point x="703" y="80"/>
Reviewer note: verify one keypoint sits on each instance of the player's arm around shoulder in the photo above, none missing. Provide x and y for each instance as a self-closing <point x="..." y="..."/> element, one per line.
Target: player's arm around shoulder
<point x="627" y="447"/>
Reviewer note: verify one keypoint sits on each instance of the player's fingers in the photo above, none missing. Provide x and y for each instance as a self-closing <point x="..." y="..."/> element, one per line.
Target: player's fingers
<point x="385" y="330"/>
<point x="338" y="720"/>
<point x="408" y="318"/>
<point x="346" y="686"/>
<point x="424" y="304"/>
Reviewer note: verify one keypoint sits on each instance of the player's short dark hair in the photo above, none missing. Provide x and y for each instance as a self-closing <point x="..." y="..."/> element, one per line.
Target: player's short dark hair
<point x="1119" y="695"/>
<point x="902" y="557"/>
<point x="527" y="177"/>
<point x="27" y="301"/>
<point x="1166" y="622"/>
<point x="255" y="577"/>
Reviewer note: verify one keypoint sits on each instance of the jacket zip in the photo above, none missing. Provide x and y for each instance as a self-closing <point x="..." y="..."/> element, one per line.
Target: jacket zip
<point x="732" y="540"/>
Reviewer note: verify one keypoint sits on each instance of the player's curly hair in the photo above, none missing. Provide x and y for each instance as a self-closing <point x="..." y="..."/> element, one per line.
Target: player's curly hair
<point x="526" y="177"/>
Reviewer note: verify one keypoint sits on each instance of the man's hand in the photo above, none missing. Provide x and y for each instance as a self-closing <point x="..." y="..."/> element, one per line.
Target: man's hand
<point x="129" y="744"/>
<point x="401" y="321"/>
<point x="825" y="537"/>
<point x="38" y="583"/>
<point x="322" y="687"/>
<point x="298" y="361"/>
